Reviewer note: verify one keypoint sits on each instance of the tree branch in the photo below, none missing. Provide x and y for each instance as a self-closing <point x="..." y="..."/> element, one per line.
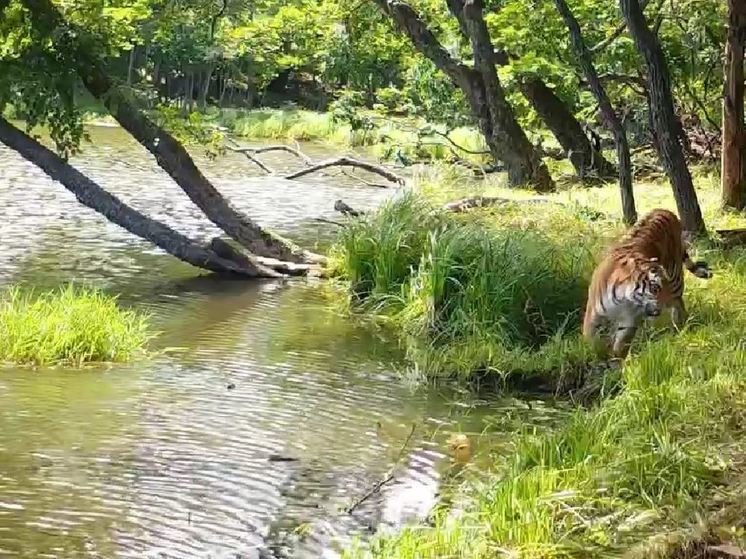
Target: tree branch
<point x="410" y="23"/>
<point x="347" y="162"/>
<point x="616" y="34"/>
<point x="247" y="153"/>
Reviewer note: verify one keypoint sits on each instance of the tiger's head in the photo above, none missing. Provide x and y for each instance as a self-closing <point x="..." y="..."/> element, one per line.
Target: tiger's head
<point x="649" y="292"/>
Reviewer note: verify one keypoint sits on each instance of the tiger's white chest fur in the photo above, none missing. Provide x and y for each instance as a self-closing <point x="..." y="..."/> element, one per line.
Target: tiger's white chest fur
<point x="619" y="305"/>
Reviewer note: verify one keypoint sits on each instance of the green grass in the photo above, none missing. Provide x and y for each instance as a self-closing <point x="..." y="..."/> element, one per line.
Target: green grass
<point x="472" y="293"/>
<point x="643" y="469"/>
<point x="67" y="327"/>
<point x="390" y="139"/>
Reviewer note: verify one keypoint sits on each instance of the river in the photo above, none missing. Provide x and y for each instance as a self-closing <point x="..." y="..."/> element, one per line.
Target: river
<point x="267" y="417"/>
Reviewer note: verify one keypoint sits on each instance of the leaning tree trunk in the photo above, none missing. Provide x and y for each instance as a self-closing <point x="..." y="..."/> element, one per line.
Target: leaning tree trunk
<point x="733" y="166"/>
<point x="664" y="118"/>
<point x="523" y="162"/>
<point x="565" y="127"/>
<point x="482" y="89"/>
<point x="93" y="196"/>
<point x="607" y="110"/>
<point x="168" y="152"/>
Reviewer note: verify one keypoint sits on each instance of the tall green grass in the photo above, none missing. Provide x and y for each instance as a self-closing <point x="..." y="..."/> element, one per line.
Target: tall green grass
<point x="468" y="295"/>
<point x="636" y="474"/>
<point x="389" y="139"/>
<point x="67" y="327"/>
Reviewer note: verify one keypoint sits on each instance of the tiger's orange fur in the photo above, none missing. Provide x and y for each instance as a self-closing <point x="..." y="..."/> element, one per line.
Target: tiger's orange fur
<point x="639" y="277"/>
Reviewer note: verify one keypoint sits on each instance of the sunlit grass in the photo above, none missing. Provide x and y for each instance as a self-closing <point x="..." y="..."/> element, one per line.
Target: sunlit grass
<point x="394" y="139"/>
<point x="638" y="469"/>
<point x="67" y="327"/>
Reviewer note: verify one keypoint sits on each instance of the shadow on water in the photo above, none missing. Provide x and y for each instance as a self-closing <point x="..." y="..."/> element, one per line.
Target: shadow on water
<point x="253" y="438"/>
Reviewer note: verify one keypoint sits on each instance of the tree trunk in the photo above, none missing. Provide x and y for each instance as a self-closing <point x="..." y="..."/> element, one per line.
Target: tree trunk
<point x="482" y="88"/>
<point x="131" y="65"/>
<point x="223" y="89"/>
<point x="206" y="87"/>
<point x="607" y="110"/>
<point x="733" y="169"/>
<point x="93" y="196"/>
<point x="523" y="163"/>
<point x="664" y="119"/>
<point x="565" y="127"/>
<point x="157" y="74"/>
<point x="168" y="152"/>
<point x="189" y="94"/>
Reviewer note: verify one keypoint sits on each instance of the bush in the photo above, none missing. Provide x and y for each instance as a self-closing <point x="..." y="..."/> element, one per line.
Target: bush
<point x="70" y="326"/>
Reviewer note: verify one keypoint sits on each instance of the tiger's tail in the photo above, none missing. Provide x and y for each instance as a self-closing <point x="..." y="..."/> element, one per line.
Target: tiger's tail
<point x="699" y="268"/>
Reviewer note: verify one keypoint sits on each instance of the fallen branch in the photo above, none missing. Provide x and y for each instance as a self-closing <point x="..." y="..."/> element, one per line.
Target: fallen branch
<point x="256" y="161"/>
<point x="732" y="237"/>
<point x="270" y="267"/>
<point x="347" y="162"/>
<point x="280" y="147"/>
<point x="365" y="182"/>
<point x="387" y="479"/>
<point x="458" y="206"/>
<point x="329" y="221"/>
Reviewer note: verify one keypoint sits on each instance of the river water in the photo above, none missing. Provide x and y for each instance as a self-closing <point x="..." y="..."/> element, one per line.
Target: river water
<point x="269" y="415"/>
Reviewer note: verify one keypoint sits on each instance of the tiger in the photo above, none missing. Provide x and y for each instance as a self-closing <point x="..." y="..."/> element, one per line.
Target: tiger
<point x="639" y="277"/>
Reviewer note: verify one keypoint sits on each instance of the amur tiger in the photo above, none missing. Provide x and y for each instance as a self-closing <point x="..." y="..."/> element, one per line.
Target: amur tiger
<point x="638" y="278"/>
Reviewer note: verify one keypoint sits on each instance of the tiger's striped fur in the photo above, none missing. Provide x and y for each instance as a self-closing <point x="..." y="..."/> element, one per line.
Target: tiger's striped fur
<point x="638" y="278"/>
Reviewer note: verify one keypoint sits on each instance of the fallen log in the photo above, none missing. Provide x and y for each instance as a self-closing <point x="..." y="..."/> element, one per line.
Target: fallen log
<point x="464" y="204"/>
<point x="731" y="237"/>
<point x="279" y="147"/>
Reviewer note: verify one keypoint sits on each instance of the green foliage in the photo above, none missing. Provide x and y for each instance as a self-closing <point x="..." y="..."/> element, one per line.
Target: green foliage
<point x="312" y="53"/>
<point x="68" y="327"/>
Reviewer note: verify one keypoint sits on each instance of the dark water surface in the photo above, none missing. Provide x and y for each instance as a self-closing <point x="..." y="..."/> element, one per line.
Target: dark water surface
<point x="250" y="441"/>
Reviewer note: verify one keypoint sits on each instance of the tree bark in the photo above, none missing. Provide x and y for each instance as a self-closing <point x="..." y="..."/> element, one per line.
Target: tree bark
<point x="664" y="118"/>
<point x="168" y="152"/>
<point x="607" y="110"/>
<point x="93" y="196"/>
<point x="733" y="166"/>
<point x="494" y="116"/>
<point x="565" y="127"/>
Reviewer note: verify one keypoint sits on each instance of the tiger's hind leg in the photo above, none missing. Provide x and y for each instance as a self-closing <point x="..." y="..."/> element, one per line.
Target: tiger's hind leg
<point x="678" y="313"/>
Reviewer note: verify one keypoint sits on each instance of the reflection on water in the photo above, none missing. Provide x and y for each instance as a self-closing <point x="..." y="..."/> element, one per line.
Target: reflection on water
<point x="252" y="439"/>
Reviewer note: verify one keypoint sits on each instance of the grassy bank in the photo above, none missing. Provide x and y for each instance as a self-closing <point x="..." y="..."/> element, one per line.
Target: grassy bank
<point x="500" y="291"/>
<point x="390" y="138"/>
<point x="67" y="327"/>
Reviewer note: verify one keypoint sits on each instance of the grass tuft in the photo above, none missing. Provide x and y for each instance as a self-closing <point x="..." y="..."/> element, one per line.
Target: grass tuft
<point x="67" y="327"/>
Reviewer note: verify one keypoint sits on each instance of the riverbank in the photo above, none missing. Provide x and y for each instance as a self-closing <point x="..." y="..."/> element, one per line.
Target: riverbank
<point x="661" y="448"/>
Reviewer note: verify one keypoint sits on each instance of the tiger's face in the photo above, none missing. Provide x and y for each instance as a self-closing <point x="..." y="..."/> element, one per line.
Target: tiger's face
<point x="649" y="290"/>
